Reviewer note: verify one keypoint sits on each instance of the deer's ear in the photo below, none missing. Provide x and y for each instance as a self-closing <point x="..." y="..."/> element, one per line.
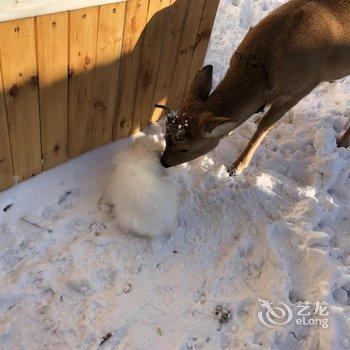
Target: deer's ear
<point x="201" y="85"/>
<point x="217" y="126"/>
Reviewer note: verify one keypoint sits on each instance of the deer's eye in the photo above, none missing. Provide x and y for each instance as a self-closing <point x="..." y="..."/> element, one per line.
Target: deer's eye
<point x="183" y="150"/>
<point x="180" y="135"/>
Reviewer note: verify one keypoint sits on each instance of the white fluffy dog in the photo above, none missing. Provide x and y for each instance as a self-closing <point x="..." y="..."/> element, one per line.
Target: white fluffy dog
<point x="145" y="201"/>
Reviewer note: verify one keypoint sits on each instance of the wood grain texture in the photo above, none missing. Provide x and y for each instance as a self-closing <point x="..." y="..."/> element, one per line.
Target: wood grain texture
<point x="52" y="58"/>
<point x="74" y="81"/>
<point x="82" y="59"/>
<point x="6" y="174"/>
<point x="109" y="44"/>
<point x="135" y="21"/>
<point x="184" y="59"/>
<point x="19" y="72"/>
<point x="152" y="49"/>
<point x="203" y="37"/>
<point x="171" y="49"/>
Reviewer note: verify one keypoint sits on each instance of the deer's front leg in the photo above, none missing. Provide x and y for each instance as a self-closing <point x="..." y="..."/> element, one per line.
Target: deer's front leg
<point x="266" y="124"/>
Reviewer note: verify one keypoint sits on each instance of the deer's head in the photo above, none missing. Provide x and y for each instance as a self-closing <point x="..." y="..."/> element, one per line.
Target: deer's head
<point x="194" y="130"/>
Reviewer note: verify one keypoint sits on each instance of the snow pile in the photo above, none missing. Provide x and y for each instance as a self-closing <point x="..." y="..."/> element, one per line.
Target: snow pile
<point x="143" y="200"/>
<point x="279" y="233"/>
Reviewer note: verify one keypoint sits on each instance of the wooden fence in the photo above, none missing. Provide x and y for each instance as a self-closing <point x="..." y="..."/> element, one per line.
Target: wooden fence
<point x="76" y="80"/>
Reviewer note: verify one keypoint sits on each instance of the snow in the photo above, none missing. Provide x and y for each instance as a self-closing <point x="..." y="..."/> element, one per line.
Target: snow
<point x="69" y="279"/>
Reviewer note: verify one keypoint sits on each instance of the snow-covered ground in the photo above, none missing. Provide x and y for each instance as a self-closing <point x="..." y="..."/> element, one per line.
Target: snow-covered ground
<point x="70" y="280"/>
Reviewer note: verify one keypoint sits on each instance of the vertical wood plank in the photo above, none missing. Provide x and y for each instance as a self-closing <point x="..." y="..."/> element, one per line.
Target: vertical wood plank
<point x="174" y="31"/>
<point x="152" y="49"/>
<point x="52" y="58"/>
<point x="182" y="68"/>
<point x="135" y="20"/>
<point x="19" y="71"/>
<point x="203" y="38"/>
<point x="6" y="176"/>
<point x="109" y="44"/>
<point x="82" y="59"/>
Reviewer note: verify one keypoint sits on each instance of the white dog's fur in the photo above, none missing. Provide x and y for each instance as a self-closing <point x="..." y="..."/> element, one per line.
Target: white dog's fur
<point x="145" y="201"/>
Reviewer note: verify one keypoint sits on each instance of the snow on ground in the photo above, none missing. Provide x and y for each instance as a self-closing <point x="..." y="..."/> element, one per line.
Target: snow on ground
<point x="70" y="280"/>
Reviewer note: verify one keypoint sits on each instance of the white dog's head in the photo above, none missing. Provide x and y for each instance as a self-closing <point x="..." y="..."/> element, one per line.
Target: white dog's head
<point x="144" y="152"/>
<point x="145" y="145"/>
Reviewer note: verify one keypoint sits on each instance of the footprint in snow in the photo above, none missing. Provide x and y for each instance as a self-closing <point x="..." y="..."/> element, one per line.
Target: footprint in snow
<point x="65" y="201"/>
<point x="68" y="198"/>
<point x="342" y="295"/>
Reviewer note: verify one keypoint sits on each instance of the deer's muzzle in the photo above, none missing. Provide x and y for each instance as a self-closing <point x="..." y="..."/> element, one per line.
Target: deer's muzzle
<point x="164" y="163"/>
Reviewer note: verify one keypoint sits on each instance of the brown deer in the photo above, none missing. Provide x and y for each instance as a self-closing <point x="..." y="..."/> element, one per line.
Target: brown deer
<point x="280" y="61"/>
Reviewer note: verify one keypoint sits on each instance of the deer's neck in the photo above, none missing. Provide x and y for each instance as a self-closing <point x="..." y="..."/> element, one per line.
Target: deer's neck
<point x="241" y="93"/>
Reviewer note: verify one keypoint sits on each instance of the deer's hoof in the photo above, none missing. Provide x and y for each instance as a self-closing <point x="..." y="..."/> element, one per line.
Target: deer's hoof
<point x="232" y="172"/>
<point x="236" y="169"/>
